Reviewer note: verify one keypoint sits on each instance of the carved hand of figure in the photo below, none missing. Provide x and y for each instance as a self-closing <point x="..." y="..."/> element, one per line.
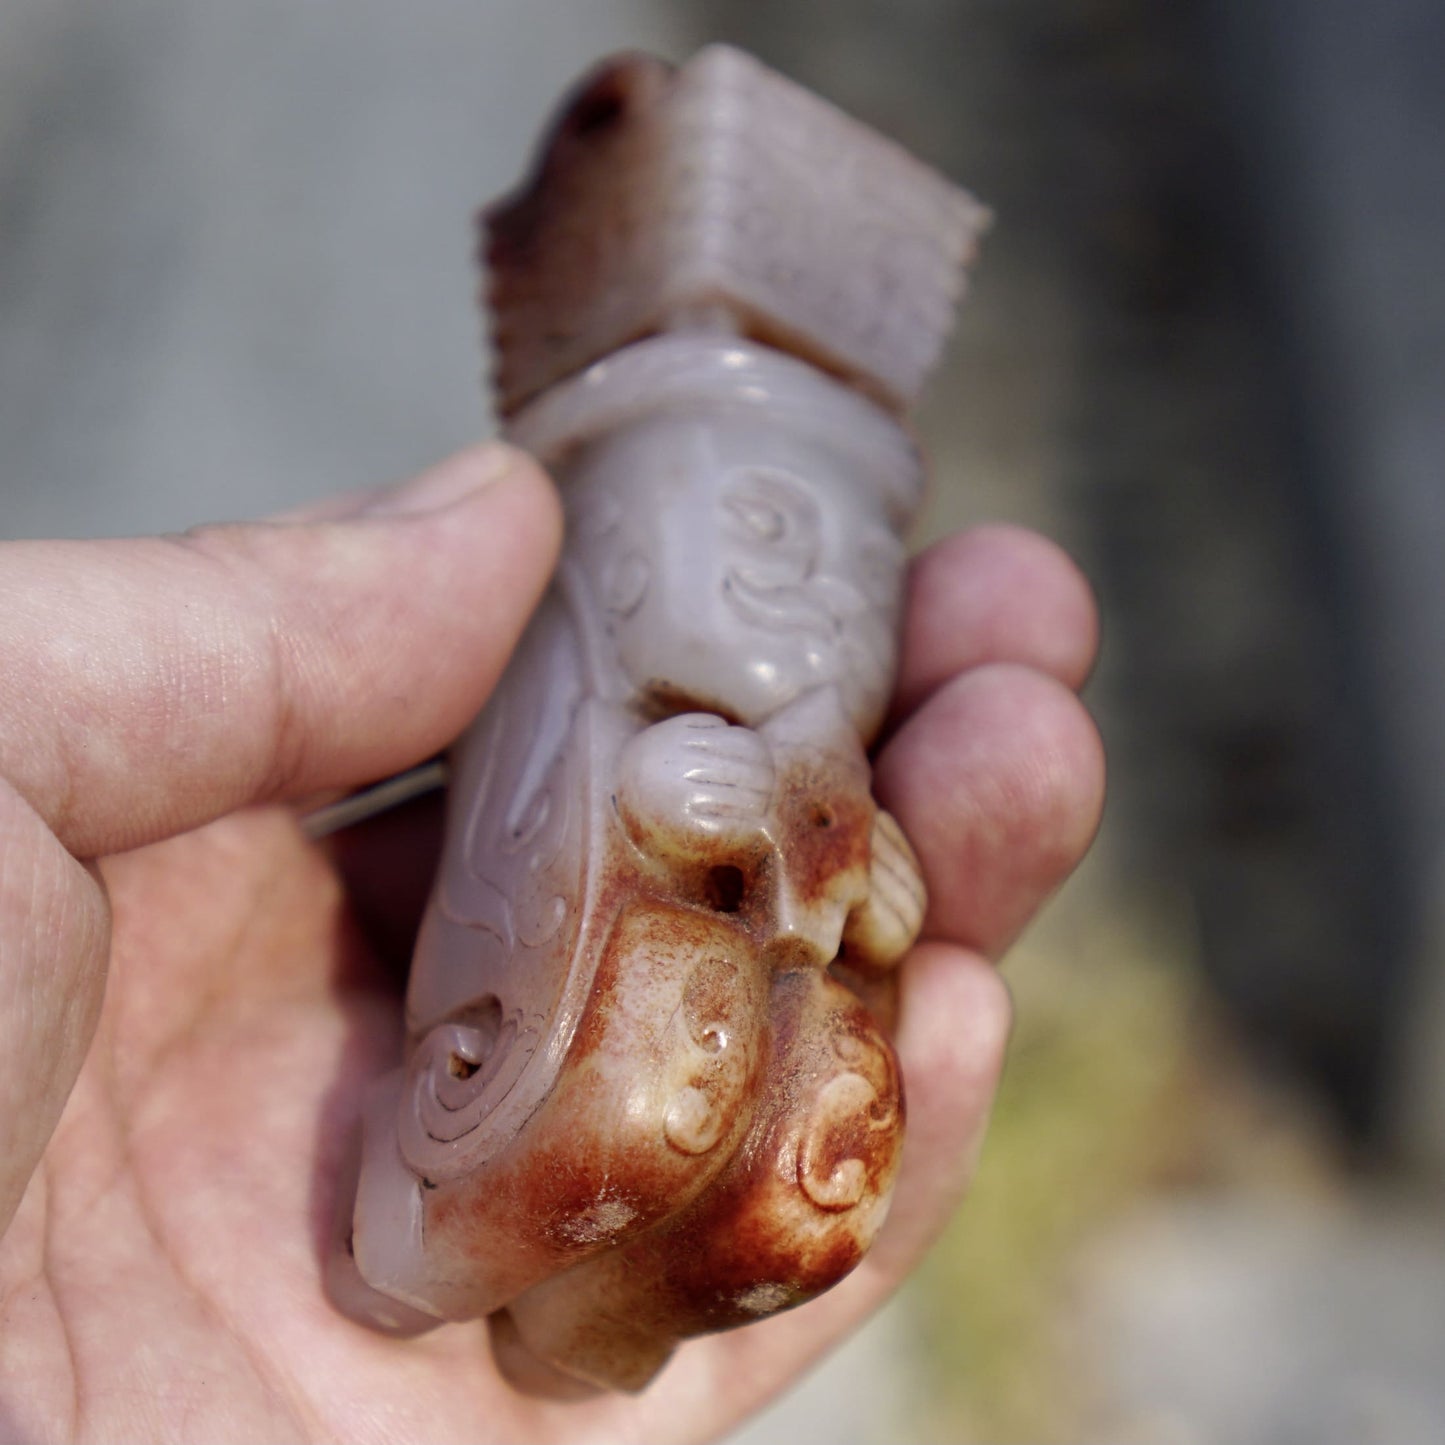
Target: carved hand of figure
<point x="880" y="930"/>
<point x="191" y="1007"/>
<point x="694" y="787"/>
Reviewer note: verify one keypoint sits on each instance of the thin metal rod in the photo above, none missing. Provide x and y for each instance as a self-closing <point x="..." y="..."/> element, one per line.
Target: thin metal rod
<point x="379" y="798"/>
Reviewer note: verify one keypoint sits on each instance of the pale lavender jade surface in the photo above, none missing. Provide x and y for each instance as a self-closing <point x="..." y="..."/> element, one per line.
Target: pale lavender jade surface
<point x="649" y="1091"/>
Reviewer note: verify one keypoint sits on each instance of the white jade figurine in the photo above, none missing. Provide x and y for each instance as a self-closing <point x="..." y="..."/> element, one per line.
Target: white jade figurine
<point x="649" y="1091"/>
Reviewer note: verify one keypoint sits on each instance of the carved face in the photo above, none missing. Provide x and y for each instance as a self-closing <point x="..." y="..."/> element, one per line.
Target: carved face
<point x="765" y="568"/>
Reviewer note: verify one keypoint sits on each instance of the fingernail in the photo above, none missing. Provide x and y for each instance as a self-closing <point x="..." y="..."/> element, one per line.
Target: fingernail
<point x="444" y="485"/>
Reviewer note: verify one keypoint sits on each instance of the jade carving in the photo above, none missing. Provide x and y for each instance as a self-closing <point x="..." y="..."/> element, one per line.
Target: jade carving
<point x="649" y="1091"/>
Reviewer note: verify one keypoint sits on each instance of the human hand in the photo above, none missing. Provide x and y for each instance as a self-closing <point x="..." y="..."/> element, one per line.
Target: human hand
<point x="200" y="1010"/>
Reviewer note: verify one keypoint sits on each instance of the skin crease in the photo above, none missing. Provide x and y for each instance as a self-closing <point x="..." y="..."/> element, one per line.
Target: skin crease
<point x="160" y="1278"/>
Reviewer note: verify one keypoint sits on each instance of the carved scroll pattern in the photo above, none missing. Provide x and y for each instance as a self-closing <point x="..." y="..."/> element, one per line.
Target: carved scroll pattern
<point x="854" y="1119"/>
<point x="520" y="857"/>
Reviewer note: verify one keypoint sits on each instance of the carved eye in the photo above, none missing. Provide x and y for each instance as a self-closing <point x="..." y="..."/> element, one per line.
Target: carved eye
<point x="758" y="516"/>
<point x="771" y="506"/>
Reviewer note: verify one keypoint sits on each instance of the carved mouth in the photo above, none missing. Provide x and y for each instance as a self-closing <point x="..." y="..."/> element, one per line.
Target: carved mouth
<point x="786" y="607"/>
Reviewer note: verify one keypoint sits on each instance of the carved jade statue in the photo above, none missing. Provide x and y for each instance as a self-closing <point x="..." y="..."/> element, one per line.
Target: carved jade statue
<point x="649" y="1091"/>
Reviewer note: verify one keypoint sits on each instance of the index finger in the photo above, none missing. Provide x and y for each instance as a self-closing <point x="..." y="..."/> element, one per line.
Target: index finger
<point x="993" y="594"/>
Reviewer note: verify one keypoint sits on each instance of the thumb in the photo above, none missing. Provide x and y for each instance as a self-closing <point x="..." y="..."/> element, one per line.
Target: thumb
<point x="152" y="684"/>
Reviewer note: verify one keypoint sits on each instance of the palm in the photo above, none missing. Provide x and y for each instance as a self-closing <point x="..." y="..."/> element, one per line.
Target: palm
<point x="178" y="1226"/>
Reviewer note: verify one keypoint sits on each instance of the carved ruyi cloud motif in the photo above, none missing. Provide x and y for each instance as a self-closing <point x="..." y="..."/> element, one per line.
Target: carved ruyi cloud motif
<point x="649" y="1091"/>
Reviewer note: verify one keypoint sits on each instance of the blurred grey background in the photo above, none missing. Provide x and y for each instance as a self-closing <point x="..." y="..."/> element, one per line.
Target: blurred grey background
<point x="1205" y="350"/>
